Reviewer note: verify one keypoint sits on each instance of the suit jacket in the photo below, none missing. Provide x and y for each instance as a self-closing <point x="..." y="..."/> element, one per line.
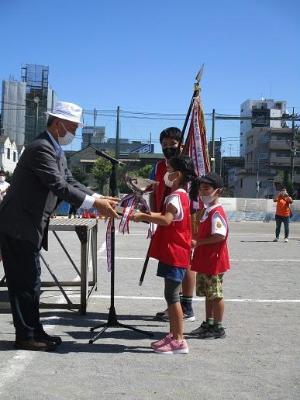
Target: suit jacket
<point x="41" y="179"/>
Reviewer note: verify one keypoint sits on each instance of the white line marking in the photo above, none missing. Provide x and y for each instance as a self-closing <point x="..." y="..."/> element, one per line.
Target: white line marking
<point x="123" y="258"/>
<point x="264" y="260"/>
<point x="150" y="298"/>
<point x="232" y="259"/>
<point x="133" y="234"/>
<point x="102" y="248"/>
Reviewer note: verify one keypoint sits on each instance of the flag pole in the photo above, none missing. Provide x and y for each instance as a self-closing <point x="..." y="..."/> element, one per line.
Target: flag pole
<point x="195" y="94"/>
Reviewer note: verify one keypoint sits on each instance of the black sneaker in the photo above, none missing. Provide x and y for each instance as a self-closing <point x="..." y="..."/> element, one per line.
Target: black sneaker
<point x="43" y="336"/>
<point x="202" y="328"/>
<point x="188" y="312"/>
<point x="34" y="345"/>
<point x="162" y="316"/>
<point x="220" y="333"/>
<point x="189" y="316"/>
<point x="213" y="333"/>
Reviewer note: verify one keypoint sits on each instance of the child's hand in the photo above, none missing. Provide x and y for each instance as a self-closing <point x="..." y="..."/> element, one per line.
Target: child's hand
<point x="137" y="217"/>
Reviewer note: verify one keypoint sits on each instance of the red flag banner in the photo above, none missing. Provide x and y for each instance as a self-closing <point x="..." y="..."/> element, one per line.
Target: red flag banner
<point x="196" y="144"/>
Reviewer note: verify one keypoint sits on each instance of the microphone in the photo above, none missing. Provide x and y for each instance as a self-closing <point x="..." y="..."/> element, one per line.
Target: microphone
<point x="108" y="157"/>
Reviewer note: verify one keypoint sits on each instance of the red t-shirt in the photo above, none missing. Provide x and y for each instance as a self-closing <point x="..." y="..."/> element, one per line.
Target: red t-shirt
<point x="212" y="259"/>
<point x="172" y="244"/>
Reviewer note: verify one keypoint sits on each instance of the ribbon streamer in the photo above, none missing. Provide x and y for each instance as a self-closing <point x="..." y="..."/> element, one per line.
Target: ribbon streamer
<point x="130" y="202"/>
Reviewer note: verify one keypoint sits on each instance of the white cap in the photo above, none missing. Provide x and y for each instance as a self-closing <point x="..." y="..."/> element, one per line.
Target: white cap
<point x="69" y="111"/>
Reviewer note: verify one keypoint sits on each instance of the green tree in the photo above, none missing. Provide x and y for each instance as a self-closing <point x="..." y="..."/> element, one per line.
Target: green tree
<point x="101" y="172"/>
<point x="80" y="175"/>
<point x="122" y="186"/>
<point x="144" y="172"/>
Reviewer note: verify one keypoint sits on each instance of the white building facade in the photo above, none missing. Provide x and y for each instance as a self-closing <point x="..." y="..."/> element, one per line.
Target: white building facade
<point x="259" y="113"/>
<point x="9" y="154"/>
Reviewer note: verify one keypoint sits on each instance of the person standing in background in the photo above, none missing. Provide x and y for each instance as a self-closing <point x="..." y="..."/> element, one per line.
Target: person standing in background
<point x="3" y="185"/>
<point x="283" y="213"/>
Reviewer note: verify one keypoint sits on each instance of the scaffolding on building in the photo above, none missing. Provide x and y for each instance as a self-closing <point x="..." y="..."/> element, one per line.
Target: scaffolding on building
<point x="37" y="92"/>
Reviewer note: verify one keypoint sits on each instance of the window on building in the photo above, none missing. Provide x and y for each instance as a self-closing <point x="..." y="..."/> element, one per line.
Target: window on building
<point x="88" y="168"/>
<point x="14" y="156"/>
<point x="283" y="153"/>
<point x="250" y="140"/>
<point x="8" y="154"/>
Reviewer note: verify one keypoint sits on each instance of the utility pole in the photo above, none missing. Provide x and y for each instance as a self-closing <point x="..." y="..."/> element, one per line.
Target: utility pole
<point x="257" y="178"/>
<point x="293" y="149"/>
<point x="213" y="160"/>
<point x="94" y="129"/>
<point x="118" y="134"/>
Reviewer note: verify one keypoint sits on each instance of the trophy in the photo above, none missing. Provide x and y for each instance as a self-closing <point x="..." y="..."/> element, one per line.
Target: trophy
<point x="134" y="201"/>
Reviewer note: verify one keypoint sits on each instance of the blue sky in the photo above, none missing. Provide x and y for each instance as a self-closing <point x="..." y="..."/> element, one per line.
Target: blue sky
<point x="144" y="55"/>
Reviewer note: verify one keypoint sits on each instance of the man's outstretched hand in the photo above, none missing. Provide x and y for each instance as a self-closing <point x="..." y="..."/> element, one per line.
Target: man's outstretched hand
<point x="106" y="206"/>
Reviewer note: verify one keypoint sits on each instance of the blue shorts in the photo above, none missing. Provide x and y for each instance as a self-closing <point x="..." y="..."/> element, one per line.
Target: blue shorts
<point x="169" y="272"/>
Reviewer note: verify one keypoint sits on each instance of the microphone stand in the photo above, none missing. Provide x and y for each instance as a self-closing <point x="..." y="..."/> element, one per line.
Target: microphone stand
<point x="112" y="320"/>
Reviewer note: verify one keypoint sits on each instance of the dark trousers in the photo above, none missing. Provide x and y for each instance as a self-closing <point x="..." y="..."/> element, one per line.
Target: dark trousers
<point x="22" y="269"/>
<point x="286" y="221"/>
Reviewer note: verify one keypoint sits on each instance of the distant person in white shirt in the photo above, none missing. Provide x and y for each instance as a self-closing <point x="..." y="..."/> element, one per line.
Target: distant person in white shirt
<point x="3" y="185"/>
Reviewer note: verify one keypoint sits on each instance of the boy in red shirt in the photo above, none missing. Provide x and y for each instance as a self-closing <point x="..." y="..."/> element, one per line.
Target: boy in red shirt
<point x="210" y="259"/>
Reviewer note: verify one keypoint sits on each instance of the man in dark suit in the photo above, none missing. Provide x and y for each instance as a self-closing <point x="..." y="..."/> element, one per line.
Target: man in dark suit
<point x="40" y="180"/>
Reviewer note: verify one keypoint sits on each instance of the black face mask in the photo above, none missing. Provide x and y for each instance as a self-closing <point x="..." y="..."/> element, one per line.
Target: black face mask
<point x="170" y="152"/>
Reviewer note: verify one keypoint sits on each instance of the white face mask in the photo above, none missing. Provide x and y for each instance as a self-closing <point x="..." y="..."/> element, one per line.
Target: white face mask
<point x="2" y="178"/>
<point x="67" y="139"/>
<point x="206" y="200"/>
<point x="167" y="181"/>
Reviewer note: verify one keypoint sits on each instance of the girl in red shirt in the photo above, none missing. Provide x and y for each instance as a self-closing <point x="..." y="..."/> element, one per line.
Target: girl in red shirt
<point x="171" y="246"/>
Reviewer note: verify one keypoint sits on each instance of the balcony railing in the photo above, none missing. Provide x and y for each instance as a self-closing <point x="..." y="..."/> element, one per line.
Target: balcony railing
<point x="279" y="145"/>
<point x="283" y="161"/>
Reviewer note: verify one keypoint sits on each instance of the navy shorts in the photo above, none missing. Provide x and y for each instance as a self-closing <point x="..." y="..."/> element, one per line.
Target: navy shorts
<point x="169" y="272"/>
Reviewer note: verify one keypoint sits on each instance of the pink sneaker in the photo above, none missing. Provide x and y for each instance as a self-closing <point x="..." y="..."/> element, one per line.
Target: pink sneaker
<point x="173" y="347"/>
<point x="162" y="342"/>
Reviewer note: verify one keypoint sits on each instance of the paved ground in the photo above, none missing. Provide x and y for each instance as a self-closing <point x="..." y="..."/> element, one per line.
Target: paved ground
<point x="259" y="359"/>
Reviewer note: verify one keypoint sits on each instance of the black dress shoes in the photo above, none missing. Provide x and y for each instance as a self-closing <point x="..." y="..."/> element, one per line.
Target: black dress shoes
<point x="43" y="336"/>
<point x="34" y="345"/>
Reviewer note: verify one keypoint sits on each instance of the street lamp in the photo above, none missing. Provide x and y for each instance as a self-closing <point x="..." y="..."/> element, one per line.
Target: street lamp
<point x="36" y="101"/>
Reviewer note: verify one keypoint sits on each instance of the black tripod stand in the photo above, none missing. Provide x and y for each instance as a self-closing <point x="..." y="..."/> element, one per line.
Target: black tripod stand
<point x="112" y="321"/>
